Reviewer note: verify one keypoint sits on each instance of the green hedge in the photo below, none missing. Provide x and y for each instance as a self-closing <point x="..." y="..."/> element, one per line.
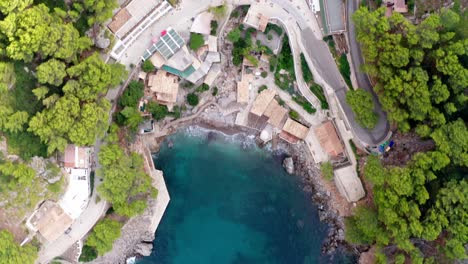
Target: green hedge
<point x="318" y="91"/>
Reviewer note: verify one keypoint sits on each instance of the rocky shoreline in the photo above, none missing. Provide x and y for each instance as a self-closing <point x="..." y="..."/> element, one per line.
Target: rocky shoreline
<point x="296" y="159"/>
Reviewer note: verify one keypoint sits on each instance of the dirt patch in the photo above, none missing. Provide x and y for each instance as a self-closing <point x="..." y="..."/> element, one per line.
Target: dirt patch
<point x="405" y="147"/>
<point x="13" y="225"/>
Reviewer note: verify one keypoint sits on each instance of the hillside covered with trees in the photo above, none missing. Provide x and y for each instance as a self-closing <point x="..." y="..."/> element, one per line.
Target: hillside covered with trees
<point x="53" y="83"/>
<point x="420" y="209"/>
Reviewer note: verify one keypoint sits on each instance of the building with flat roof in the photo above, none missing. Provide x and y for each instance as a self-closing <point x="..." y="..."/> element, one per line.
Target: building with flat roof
<point x="76" y="157"/>
<point x="333" y="16"/>
<point x="165" y="87"/>
<point x="76" y="197"/>
<point x="50" y="220"/>
<point x="293" y="131"/>
<point x="349" y="184"/>
<point x="256" y="20"/>
<point x="329" y="140"/>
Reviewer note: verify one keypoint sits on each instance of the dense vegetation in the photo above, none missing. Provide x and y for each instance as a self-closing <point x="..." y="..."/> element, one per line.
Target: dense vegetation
<point x="125" y="185"/>
<point x="102" y="237"/>
<point x="12" y="253"/>
<point x="419" y="210"/>
<point x="362" y="105"/>
<point x="420" y="70"/>
<point x="65" y="103"/>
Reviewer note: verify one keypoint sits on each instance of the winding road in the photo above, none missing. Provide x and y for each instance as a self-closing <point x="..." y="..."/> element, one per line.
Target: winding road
<point x="379" y="133"/>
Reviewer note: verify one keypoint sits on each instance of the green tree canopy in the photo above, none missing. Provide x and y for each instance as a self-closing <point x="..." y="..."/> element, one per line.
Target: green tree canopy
<point x="12" y="253"/>
<point x="92" y="77"/>
<point x="51" y="72"/>
<point x="158" y="111"/>
<point x="124" y="178"/>
<point x="35" y="30"/>
<point x="234" y="35"/>
<point x="68" y="120"/>
<point x="362" y="105"/>
<point x="192" y="99"/>
<point x="132" y="94"/>
<point x="7" y="7"/>
<point x="103" y="235"/>
<point x="419" y="69"/>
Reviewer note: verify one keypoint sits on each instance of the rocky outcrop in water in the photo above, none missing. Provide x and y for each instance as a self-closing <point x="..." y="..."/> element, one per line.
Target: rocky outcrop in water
<point x="310" y="173"/>
<point x="288" y="165"/>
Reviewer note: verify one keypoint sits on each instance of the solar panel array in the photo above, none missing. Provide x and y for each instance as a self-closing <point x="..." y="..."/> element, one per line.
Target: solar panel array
<point x="169" y="44"/>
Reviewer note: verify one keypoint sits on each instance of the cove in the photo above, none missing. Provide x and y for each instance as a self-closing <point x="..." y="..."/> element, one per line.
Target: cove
<point x="232" y="202"/>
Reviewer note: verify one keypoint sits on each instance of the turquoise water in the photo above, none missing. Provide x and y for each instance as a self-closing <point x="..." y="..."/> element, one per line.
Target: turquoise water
<point x="233" y="204"/>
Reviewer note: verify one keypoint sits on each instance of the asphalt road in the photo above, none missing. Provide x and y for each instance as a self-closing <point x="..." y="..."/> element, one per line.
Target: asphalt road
<point x="378" y="134"/>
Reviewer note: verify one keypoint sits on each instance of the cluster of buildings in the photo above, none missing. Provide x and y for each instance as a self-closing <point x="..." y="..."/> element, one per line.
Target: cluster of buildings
<point x="52" y="219"/>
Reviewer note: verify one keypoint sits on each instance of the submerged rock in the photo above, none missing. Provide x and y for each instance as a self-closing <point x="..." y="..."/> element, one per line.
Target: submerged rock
<point x="288" y="165"/>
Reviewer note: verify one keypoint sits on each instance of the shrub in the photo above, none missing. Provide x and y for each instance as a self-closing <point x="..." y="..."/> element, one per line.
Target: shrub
<point x="132" y="94"/>
<point x="147" y="66"/>
<point x="88" y="254"/>
<point x="215" y="91"/>
<point x="293" y="114"/>
<point x="345" y="70"/>
<point x="218" y="11"/>
<point x="305" y="104"/>
<point x="261" y="88"/>
<point x="318" y="91"/>
<point x="196" y="41"/>
<point x="327" y="170"/>
<point x="192" y="99"/>
<point x="269" y="37"/>
<point x="273" y="27"/>
<point x="202" y="88"/>
<point x="214" y="27"/>
<point x="264" y="74"/>
<point x="234" y="35"/>
<point x="158" y="111"/>
<point x="306" y="73"/>
<point x="272" y="61"/>
<point x="235" y="14"/>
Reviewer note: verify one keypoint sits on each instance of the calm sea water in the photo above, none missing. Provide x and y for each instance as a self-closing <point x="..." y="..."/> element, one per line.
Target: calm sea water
<point x="233" y="204"/>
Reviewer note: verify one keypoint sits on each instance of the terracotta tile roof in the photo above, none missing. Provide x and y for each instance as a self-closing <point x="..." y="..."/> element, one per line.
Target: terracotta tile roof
<point x="165" y="85"/>
<point x="262" y="101"/>
<point x="328" y="138"/>
<point x="119" y="19"/>
<point x="276" y="114"/>
<point x="295" y="128"/>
